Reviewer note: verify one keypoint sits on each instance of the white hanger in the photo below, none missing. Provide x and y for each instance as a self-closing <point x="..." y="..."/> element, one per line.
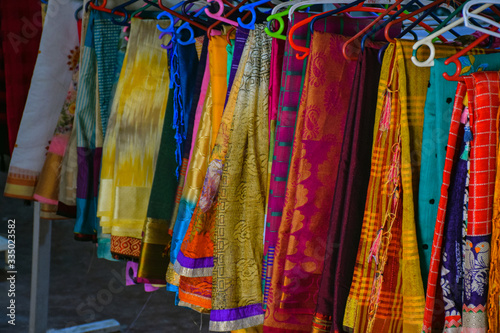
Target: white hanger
<point x="284" y="4"/>
<point x="428" y="40"/>
<point x="468" y="15"/>
<point x="318" y="2"/>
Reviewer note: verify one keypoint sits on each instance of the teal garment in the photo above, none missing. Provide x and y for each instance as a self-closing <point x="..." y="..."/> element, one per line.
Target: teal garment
<point x="437" y="118"/>
<point x="230" y="52"/>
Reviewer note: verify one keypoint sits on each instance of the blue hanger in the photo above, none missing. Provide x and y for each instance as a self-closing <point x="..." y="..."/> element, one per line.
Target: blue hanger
<point x="187" y="26"/>
<point x="121" y="8"/>
<point x="251" y="7"/>
<point x="172" y="19"/>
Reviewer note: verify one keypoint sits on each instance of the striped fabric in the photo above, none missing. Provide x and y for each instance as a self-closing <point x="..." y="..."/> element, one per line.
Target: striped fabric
<point x="97" y="75"/>
<point x="494" y="278"/>
<point x="482" y="90"/>
<point x="396" y="303"/>
<point x="438" y="233"/>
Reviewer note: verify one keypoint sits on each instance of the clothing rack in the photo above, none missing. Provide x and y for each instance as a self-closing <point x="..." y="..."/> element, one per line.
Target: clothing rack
<point x="40" y="277"/>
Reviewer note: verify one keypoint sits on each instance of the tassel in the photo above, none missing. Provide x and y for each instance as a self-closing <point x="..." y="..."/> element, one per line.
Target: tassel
<point x="376" y="247"/>
<point x="385" y="119"/>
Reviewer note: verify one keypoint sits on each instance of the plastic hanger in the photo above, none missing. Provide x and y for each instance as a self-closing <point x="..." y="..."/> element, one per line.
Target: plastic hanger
<point x="383" y="25"/>
<point x="408" y="29"/>
<point x="251" y="8"/>
<point x="365" y="29"/>
<point x="209" y="31"/>
<point x="428" y="40"/>
<point x="230" y="31"/>
<point x="102" y="7"/>
<point x="178" y="15"/>
<point x="317" y="2"/>
<point x="388" y="27"/>
<point x="172" y="20"/>
<point x="278" y="17"/>
<point x="467" y="15"/>
<point x="358" y="4"/>
<point x="455" y="58"/>
<point x="218" y="15"/>
<point x="187" y="26"/>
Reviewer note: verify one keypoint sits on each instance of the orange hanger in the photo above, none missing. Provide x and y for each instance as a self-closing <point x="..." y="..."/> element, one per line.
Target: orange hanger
<point x="102" y="8"/>
<point x="455" y="58"/>
<point x="409" y="16"/>
<point x="368" y="27"/>
<point x="358" y="8"/>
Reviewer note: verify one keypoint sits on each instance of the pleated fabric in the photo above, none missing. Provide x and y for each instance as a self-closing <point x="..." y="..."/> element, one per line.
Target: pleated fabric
<point x="350" y="192"/>
<point x="132" y="140"/>
<point x="237" y="293"/>
<point x="319" y="133"/>
<point x="153" y="263"/>
<point x="482" y="92"/>
<point x="211" y="117"/>
<point x="96" y="76"/>
<point x="437" y="111"/>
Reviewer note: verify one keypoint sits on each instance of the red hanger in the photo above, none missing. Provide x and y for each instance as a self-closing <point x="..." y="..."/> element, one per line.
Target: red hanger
<point x="357" y="8"/>
<point x="409" y="16"/>
<point x="102" y="8"/>
<point x="365" y="29"/>
<point x="455" y="58"/>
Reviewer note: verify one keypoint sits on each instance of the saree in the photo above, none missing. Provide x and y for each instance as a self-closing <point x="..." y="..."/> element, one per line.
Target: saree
<point x="452" y="254"/>
<point x="388" y="294"/>
<point x="132" y="140"/>
<point x="195" y="260"/>
<point x="292" y="83"/>
<point x="98" y="58"/>
<point x="20" y="42"/>
<point x="437" y="117"/>
<point x="47" y="187"/>
<point x="300" y="249"/>
<point x="238" y="244"/>
<point x="209" y="125"/>
<point x="494" y="278"/>
<point x="153" y="263"/>
<point x="50" y="82"/>
<point x="66" y="205"/>
<point x="482" y="92"/>
<point x="350" y="193"/>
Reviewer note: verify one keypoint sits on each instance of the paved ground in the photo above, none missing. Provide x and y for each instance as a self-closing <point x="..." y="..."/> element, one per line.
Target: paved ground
<point x="78" y="278"/>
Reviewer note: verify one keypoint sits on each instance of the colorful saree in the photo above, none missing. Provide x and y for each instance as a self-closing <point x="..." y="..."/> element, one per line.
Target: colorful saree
<point x="494" y="279"/>
<point x="237" y="293"/>
<point x="209" y="125"/>
<point x="350" y="192"/>
<point x="153" y="263"/>
<point x="127" y="167"/>
<point x="437" y="111"/>
<point x="292" y="83"/>
<point x="50" y="82"/>
<point x="195" y="260"/>
<point x="482" y="92"/>
<point x="319" y="132"/>
<point x="98" y="60"/>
